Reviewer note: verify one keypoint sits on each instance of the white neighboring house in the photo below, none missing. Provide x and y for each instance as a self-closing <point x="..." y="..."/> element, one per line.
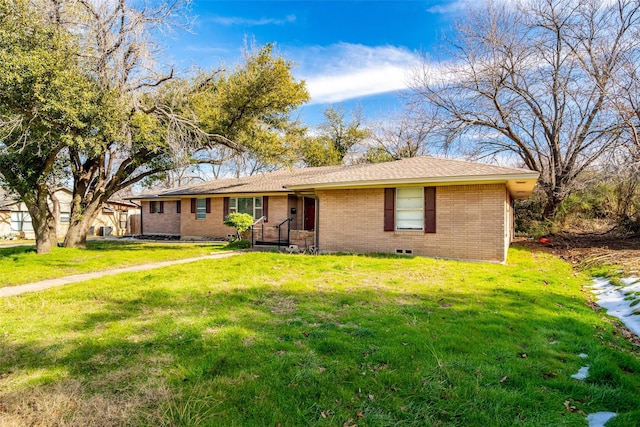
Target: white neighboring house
<point x="117" y="218"/>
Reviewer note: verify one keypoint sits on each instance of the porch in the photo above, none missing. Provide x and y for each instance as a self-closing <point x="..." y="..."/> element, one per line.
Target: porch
<point x="281" y="235"/>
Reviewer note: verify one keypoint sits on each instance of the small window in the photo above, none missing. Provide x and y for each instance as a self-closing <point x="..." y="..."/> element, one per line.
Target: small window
<point x="65" y="217"/>
<point x="201" y="208"/>
<point x="16" y="221"/>
<point x="410" y="208"/>
<point x="26" y="222"/>
<point x="21" y="221"/>
<point x="122" y="219"/>
<point x="157" y="206"/>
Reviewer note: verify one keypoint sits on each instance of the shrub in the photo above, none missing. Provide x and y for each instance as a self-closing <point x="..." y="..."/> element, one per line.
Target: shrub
<point x="240" y="221"/>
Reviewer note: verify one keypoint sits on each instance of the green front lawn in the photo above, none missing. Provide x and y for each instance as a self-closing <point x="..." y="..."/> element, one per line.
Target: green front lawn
<point x="288" y="340"/>
<point x="21" y="264"/>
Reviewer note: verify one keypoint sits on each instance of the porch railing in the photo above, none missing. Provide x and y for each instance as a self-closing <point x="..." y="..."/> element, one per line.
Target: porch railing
<point x="279" y="227"/>
<point x="258" y="233"/>
<point x="260" y="220"/>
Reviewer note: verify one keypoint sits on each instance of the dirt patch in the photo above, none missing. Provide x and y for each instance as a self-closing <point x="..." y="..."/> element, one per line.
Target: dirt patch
<point x="586" y="249"/>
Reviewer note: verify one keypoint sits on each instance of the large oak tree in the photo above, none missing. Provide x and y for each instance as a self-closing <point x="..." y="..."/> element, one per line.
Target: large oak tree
<point x="136" y="118"/>
<point x="47" y="103"/>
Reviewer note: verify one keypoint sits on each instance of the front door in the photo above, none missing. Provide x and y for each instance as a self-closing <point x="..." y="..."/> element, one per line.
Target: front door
<point x="309" y="213"/>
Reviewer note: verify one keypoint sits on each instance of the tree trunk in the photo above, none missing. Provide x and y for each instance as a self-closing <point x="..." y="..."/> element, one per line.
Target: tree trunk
<point x="43" y="223"/>
<point x="81" y="221"/>
<point x="555" y="197"/>
<point x="76" y="236"/>
<point x="56" y="213"/>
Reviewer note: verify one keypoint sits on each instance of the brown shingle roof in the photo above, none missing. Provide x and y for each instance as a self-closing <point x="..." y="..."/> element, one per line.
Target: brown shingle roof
<point x="416" y="169"/>
<point x="425" y="169"/>
<point x="263" y="183"/>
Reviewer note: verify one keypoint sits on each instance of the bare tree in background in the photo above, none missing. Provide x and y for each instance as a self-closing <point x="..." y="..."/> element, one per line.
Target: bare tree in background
<point x="534" y="81"/>
<point x="410" y="134"/>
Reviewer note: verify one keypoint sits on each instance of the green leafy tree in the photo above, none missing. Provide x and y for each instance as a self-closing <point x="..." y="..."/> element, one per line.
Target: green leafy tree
<point x="159" y="122"/>
<point x="79" y="83"/>
<point x="240" y="221"/>
<point x="248" y="109"/>
<point x="335" y="138"/>
<point x="47" y="103"/>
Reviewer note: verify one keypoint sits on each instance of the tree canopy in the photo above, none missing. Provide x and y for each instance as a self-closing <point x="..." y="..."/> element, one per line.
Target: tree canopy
<point x="81" y="90"/>
<point x="47" y="103"/>
<point x="335" y="138"/>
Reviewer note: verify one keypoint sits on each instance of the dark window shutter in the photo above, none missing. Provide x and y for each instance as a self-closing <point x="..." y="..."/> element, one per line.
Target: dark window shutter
<point x="225" y="208"/>
<point x="265" y="208"/>
<point x="179" y="206"/>
<point x="161" y="210"/>
<point x="389" y="209"/>
<point x="150" y="207"/>
<point x="429" y="209"/>
<point x="193" y="205"/>
<point x="207" y="205"/>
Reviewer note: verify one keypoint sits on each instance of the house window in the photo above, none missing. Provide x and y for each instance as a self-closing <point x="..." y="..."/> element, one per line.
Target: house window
<point x="21" y="221"/>
<point x="248" y="205"/>
<point x="201" y="208"/>
<point x="410" y="209"/>
<point x="122" y="219"/>
<point x="157" y="206"/>
<point x="402" y="208"/>
<point x="65" y="217"/>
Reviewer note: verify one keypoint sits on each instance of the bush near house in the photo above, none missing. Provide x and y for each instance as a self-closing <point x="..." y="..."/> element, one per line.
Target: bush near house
<point x="240" y="221"/>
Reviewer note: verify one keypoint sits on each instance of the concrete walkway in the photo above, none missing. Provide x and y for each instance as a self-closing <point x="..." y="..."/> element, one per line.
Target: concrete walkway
<point x="50" y="283"/>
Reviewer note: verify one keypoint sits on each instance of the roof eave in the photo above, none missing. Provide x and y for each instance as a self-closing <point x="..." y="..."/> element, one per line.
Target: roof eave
<point x="212" y="194"/>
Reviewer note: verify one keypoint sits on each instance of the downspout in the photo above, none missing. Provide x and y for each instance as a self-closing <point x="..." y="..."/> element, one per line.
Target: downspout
<point x="317" y="224"/>
<point x="141" y="217"/>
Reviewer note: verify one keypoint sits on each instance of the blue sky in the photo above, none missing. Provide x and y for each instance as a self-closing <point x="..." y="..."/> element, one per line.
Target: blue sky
<point x="349" y="52"/>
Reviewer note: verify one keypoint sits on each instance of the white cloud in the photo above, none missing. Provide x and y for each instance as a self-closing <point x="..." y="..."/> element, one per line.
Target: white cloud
<point x="456" y="6"/>
<point x="345" y="71"/>
<point x="452" y="7"/>
<point x="237" y="20"/>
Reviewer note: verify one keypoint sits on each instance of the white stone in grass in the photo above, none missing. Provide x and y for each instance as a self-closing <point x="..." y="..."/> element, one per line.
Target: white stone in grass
<point x="613" y="299"/>
<point x="599" y="419"/>
<point x="582" y="373"/>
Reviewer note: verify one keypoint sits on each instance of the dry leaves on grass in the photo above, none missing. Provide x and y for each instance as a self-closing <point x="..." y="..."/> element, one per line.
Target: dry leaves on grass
<point x="282" y="305"/>
<point x="573" y="408"/>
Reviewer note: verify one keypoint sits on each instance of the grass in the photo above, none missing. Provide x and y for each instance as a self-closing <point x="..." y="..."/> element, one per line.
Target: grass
<point x="267" y="339"/>
<point x="21" y="264"/>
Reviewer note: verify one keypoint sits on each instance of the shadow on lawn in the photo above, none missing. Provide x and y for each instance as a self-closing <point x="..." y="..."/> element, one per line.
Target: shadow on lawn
<point x="16" y="250"/>
<point x="265" y="356"/>
<point x="114" y="246"/>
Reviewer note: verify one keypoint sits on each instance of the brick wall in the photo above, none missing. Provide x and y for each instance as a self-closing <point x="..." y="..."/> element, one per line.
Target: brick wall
<point x="470" y="223"/>
<point x="166" y="223"/>
<point x="212" y="226"/>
